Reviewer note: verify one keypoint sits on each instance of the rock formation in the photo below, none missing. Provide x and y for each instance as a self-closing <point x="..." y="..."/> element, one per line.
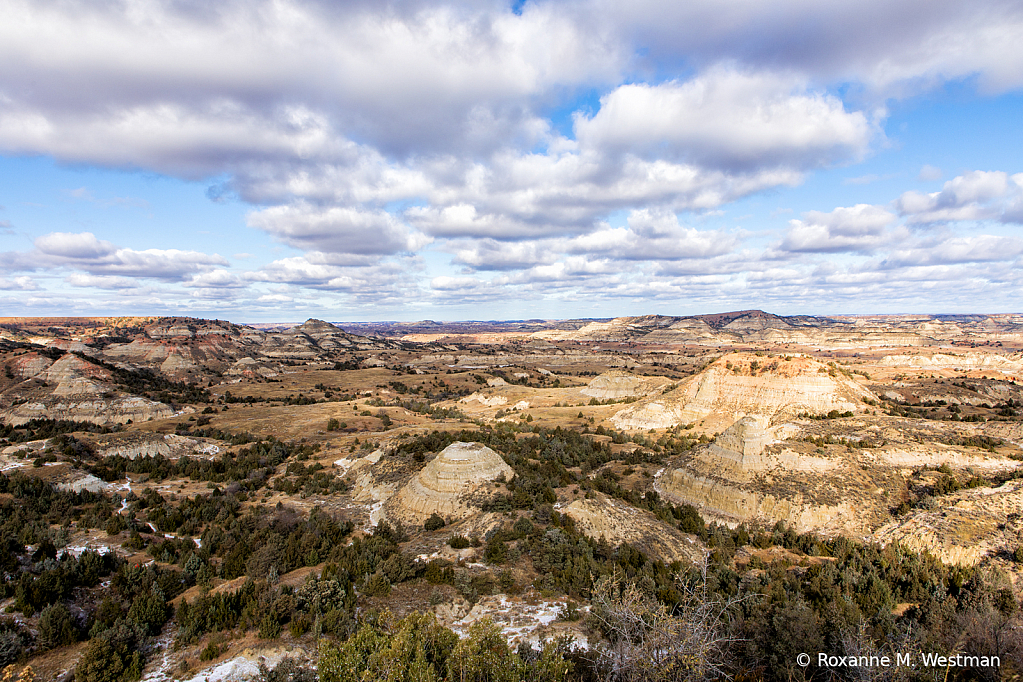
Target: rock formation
<point x="742" y="443"/>
<point x="964" y="529"/>
<point x="617" y="522"/>
<point x="77" y="390"/>
<point x="967" y="361"/>
<point x="445" y="485"/>
<point x="742" y="384"/>
<point x="617" y="384"/>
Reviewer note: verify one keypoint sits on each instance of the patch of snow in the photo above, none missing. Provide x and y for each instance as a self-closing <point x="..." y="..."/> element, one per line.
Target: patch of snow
<point x="518" y="620"/>
<point x="237" y="668"/>
<point x="376" y="512"/>
<point x="76" y="550"/>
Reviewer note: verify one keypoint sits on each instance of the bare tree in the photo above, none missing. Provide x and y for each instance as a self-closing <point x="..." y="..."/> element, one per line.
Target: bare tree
<point x="648" y="642"/>
<point x="860" y="645"/>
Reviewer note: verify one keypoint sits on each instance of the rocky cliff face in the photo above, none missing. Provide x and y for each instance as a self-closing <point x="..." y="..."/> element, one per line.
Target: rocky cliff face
<point x="742" y="384"/>
<point x="731" y="503"/>
<point x="966" y="361"/>
<point x="616" y="384"/>
<point x="86" y="409"/>
<point x="617" y="522"/>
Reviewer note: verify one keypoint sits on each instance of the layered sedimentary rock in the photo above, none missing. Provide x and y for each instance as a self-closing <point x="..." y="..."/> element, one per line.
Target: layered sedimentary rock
<point x="78" y="390"/>
<point x="742" y="384"/>
<point x="971" y="525"/>
<point x="29" y="365"/>
<point x="725" y="501"/>
<point x="616" y="384"/>
<point x="446" y="484"/>
<point x="313" y="338"/>
<point x="968" y="361"/>
<point x="133" y="445"/>
<point x="743" y="443"/>
<point x="85" y="409"/>
<point x="617" y="522"/>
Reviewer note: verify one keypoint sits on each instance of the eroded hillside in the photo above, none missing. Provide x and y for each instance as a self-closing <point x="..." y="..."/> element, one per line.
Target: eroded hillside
<point x="283" y="482"/>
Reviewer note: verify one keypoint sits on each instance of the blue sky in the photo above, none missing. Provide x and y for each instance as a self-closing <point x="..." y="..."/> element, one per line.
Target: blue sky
<point x="272" y="160"/>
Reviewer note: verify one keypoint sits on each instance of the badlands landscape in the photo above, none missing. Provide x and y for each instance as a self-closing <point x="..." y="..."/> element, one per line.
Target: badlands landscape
<point x="189" y="499"/>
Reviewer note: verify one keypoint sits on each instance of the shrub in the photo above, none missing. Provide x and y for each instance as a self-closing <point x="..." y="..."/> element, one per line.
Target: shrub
<point x="211" y="651"/>
<point x="57" y="626"/>
<point x="376" y="585"/>
<point x="435" y="522"/>
<point x="459" y="542"/>
<point x="270" y="627"/>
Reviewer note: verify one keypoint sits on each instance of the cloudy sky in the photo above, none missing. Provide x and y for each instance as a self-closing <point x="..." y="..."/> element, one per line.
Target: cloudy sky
<point x="271" y="160"/>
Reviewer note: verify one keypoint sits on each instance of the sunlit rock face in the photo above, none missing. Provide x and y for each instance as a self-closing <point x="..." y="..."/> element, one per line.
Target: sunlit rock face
<point x="741" y="384"/>
<point x="445" y="485"/>
<point x="616" y="384"/>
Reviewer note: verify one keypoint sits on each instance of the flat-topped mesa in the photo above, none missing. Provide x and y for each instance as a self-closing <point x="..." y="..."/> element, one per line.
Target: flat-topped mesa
<point x="445" y="484"/>
<point x="617" y="384"/>
<point x="740" y="384"/>
<point x="963" y="361"/>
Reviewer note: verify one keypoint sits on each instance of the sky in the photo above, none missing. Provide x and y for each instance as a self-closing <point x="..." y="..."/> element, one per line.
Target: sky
<point x="274" y="160"/>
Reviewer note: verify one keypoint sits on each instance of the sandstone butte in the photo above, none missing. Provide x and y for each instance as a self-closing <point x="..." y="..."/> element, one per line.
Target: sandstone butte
<point x="617" y="384"/>
<point x="445" y="485"/>
<point x="740" y="384"/>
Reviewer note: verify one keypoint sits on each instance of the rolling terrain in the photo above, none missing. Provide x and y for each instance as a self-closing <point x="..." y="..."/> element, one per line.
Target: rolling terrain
<point x="273" y="483"/>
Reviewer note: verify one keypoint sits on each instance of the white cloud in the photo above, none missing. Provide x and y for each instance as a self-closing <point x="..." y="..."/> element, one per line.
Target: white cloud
<point x="85" y="252"/>
<point x="861" y="228"/>
<point x="490" y="254"/>
<point x="80" y="279"/>
<point x="216" y="279"/>
<point x="338" y="230"/>
<point x="81" y="245"/>
<point x="893" y="48"/>
<point x="977" y="249"/>
<point x="728" y="119"/>
<point x="653" y="235"/>
<point x="22" y="283"/>
<point x="977" y="195"/>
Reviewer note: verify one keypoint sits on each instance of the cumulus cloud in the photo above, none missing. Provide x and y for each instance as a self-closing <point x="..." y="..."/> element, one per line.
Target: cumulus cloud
<point x="490" y="254"/>
<point x="861" y="228"/>
<point x="337" y="230"/>
<point x="81" y="279"/>
<point x="893" y="48"/>
<point x="74" y="245"/>
<point x="361" y="133"/>
<point x="22" y="283"/>
<point x="84" y="252"/>
<point x="653" y="235"/>
<point x="728" y="119"/>
<point x="977" y="195"/>
<point x="976" y="249"/>
<point x="384" y="282"/>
